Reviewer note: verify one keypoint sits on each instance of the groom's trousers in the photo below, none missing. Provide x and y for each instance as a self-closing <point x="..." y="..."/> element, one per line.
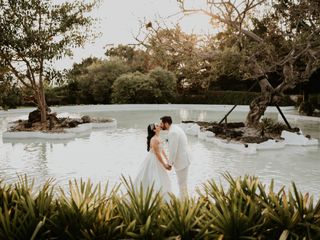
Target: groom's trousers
<point x="182" y="176"/>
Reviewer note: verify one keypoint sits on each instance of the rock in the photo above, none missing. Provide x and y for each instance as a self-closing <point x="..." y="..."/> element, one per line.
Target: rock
<point x="216" y="129"/>
<point x="53" y="120"/>
<point x="233" y="134"/>
<point x="28" y="125"/>
<point x="252" y="139"/>
<point x="64" y="123"/>
<point x="86" y="119"/>
<point x="235" y="125"/>
<point x="73" y="123"/>
<point x="34" y="116"/>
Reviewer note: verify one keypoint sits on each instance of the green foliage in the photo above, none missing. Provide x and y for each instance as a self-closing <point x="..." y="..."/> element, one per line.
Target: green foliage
<point x="55" y="95"/>
<point x="23" y="213"/>
<point x="185" y="219"/>
<point x="136" y="59"/>
<point x="140" y="212"/>
<point x="226" y="65"/>
<point x="91" y="83"/>
<point x="244" y="210"/>
<point x="181" y="53"/>
<point x="159" y="86"/>
<point x="10" y="94"/>
<point x="224" y="97"/>
<point x="80" y="214"/>
<point x="268" y="125"/>
<point x="290" y="215"/>
<point x="134" y="88"/>
<point x="236" y="213"/>
<point x="218" y="97"/>
<point x="166" y="82"/>
<point x="35" y="33"/>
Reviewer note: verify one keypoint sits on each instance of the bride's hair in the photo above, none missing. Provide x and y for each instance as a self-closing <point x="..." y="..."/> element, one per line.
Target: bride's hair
<point x="151" y="133"/>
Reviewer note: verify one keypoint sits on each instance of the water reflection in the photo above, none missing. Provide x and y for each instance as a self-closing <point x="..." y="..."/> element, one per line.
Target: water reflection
<point x="105" y="155"/>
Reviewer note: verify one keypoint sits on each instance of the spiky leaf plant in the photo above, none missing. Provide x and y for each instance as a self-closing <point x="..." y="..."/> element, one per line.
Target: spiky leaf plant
<point x="77" y="212"/>
<point x="292" y="215"/>
<point x="233" y="214"/>
<point x="183" y="219"/>
<point x="140" y="211"/>
<point x="23" y="211"/>
<point x="108" y="222"/>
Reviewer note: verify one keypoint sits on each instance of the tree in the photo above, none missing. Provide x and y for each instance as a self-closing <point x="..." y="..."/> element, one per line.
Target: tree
<point x="137" y="59"/>
<point x="98" y="79"/>
<point x="226" y="68"/>
<point x="285" y="40"/>
<point x="178" y="52"/>
<point x="35" y="33"/>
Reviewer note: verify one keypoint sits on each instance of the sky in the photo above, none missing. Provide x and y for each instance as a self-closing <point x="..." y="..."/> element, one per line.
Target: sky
<point x="119" y="23"/>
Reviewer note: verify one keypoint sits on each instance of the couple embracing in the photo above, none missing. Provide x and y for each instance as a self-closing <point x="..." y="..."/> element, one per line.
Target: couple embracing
<point x="154" y="169"/>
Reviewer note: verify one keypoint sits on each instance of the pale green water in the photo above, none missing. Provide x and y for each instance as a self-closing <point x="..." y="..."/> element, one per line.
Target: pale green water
<point x="104" y="155"/>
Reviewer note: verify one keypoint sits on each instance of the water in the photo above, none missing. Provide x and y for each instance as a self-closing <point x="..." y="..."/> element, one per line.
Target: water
<point x="105" y="155"/>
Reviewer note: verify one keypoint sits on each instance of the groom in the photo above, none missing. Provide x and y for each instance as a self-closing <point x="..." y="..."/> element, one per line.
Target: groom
<point x="179" y="156"/>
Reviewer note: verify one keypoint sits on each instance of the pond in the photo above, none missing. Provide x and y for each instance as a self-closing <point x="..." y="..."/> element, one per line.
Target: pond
<point x="104" y="155"/>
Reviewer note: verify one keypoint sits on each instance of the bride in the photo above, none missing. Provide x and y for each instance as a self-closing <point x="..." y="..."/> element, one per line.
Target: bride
<point x="153" y="168"/>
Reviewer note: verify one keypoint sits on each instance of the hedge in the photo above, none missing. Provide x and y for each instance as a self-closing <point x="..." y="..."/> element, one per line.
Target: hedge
<point x="224" y="97"/>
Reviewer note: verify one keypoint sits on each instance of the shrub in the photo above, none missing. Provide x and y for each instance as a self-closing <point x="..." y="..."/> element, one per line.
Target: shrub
<point x="10" y="95"/>
<point x="224" y="97"/>
<point x="93" y="84"/>
<point x="55" y="95"/>
<point x="166" y="82"/>
<point x="134" y="88"/>
<point x="268" y="125"/>
<point x="159" y="86"/>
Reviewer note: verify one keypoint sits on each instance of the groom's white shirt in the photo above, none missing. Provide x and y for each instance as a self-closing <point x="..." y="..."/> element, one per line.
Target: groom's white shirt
<point x="179" y="155"/>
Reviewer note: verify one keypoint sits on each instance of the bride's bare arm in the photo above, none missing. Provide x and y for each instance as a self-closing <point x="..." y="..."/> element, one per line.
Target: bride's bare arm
<point x="164" y="154"/>
<point x="156" y="149"/>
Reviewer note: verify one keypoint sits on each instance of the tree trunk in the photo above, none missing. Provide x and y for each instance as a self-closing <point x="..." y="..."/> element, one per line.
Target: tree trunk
<point x="42" y="105"/>
<point x="306" y="106"/>
<point x="259" y="105"/>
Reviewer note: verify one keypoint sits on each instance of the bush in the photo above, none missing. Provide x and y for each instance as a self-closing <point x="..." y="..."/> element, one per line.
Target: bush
<point x="159" y="86"/>
<point x="224" y="97"/>
<point x="92" y="85"/>
<point x="55" y="95"/>
<point x="10" y="95"/>
<point x="134" y="88"/>
<point x="166" y="82"/>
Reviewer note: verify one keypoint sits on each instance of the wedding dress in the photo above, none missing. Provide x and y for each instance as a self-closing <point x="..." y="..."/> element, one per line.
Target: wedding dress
<point x="151" y="171"/>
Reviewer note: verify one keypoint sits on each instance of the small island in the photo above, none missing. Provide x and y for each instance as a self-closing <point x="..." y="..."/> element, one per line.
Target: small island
<point x="267" y="135"/>
<point x="55" y="127"/>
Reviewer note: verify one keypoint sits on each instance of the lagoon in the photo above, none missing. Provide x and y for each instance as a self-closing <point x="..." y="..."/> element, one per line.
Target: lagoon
<point x="104" y="155"/>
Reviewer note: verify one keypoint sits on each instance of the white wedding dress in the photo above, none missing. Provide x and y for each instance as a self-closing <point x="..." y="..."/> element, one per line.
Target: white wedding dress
<point x="151" y="171"/>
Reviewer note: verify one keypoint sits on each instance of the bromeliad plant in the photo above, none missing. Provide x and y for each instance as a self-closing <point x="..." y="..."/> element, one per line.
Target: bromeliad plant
<point x="245" y="210"/>
<point x="85" y="213"/>
<point x="23" y="212"/>
<point x="184" y="219"/>
<point x="140" y="211"/>
<point x="233" y="214"/>
<point x="291" y="216"/>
